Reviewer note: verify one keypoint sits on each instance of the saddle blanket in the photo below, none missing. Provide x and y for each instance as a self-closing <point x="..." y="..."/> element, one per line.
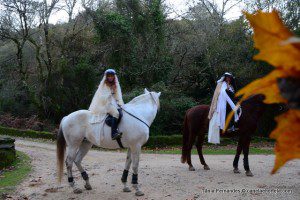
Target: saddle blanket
<point x="96" y="128"/>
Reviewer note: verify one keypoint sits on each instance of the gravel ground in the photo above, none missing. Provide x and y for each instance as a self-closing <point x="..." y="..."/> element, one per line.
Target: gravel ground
<point x="160" y="176"/>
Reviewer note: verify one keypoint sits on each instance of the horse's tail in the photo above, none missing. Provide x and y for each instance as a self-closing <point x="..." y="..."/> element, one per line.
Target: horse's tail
<point x="185" y="139"/>
<point x="60" y="152"/>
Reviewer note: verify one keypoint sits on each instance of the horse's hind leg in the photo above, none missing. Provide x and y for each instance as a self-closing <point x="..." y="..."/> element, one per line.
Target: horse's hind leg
<point x="126" y="170"/>
<point x="189" y="151"/>
<point x="69" y="163"/>
<point x="189" y="160"/>
<point x="83" y="149"/>
<point x="199" y="146"/>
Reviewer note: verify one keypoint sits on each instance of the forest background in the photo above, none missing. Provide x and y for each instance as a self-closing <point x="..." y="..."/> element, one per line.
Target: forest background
<point x="50" y="70"/>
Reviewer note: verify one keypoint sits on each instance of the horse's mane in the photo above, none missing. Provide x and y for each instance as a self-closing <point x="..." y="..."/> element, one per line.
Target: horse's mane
<point x="139" y="98"/>
<point x="258" y="98"/>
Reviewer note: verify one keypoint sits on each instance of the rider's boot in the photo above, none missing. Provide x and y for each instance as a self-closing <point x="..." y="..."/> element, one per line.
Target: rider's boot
<point x="115" y="134"/>
<point x="233" y="128"/>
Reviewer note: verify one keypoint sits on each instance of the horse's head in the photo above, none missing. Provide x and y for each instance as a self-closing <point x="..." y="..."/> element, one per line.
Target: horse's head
<point x="154" y="95"/>
<point x="254" y="104"/>
<point x="146" y="105"/>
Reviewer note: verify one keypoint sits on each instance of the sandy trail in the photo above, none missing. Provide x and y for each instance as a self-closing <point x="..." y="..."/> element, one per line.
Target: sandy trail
<point x="161" y="177"/>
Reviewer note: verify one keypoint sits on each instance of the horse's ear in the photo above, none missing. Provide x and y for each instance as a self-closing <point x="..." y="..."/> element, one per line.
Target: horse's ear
<point x="159" y="94"/>
<point x="146" y="91"/>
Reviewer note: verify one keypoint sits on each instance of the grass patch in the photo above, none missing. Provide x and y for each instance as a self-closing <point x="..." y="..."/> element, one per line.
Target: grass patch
<point x="208" y="151"/>
<point x="9" y="179"/>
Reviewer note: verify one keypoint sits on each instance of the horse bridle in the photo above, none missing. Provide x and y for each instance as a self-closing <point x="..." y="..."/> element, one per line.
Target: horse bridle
<point x="153" y="98"/>
<point x="132" y="115"/>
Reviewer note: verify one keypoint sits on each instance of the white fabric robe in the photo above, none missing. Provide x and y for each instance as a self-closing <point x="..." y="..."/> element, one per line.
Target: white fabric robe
<point x="105" y="101"/>
<point x="217" y="121"/>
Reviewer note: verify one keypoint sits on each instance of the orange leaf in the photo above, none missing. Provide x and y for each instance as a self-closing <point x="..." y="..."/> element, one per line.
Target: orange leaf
<point x="269" y="36"/>
<point x="280" y="48"/>
<point x="287" y="135"/>
<point x="267" y="86"/>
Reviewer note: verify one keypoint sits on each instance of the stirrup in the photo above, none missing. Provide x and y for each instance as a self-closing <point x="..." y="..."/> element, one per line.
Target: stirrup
<point x="232" y="129"/>
<point x="116" y="136"/>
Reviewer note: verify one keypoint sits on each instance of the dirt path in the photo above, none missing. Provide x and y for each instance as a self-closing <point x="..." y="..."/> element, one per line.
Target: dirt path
<point x="161" y="177"/>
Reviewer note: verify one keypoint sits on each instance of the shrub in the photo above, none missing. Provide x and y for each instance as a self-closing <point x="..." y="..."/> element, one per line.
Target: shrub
<point x="26" y="133"/>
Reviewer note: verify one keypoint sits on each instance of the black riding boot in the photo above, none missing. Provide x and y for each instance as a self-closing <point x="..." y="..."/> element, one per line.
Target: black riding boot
<point x="114" y="129"/>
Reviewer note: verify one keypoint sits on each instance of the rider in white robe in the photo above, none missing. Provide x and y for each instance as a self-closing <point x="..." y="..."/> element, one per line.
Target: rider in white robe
<point x="217" y="113"/>
<point x="107" y="99"/>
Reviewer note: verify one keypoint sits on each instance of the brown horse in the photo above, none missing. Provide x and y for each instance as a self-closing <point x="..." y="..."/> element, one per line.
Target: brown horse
<point x="196" y="126"/>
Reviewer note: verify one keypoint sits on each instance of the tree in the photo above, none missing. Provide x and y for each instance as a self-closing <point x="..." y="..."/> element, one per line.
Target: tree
<point x="69" y="8"/>
<point x="17" y="20"/>
<point x="289" y="10"/>
<point x="131" y="34"/>
<point x="45" y="11"/>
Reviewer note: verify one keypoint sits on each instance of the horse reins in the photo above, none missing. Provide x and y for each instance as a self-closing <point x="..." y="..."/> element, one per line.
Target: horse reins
<point x="132" y="115"/>
<point x="135" y="117"/>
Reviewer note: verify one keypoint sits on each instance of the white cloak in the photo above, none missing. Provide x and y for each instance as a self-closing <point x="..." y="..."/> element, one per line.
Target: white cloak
<point x="106" y="100"/>
<point x="217" y="121"/>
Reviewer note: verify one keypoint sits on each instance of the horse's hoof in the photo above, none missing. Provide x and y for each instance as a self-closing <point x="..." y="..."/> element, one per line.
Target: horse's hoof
<point x="88" y="187"/>
<point x="249" y="173"/>
<point x="206" y="167"/>
<point x="77" y="191"/>
<point x="139" y="193"/>
<point x="126" y="189"/>
<point x="236" y="171"/>
<point x="191" y="168"/>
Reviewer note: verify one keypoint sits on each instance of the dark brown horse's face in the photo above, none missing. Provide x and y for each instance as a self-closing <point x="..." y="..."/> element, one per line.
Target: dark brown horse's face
<point x="255" y="103"/>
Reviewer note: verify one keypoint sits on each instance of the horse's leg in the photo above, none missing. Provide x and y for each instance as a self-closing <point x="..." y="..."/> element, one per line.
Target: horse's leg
<point x="135" y="156"/>
<point x="199" y="145"/>
<point x="69" y="163"/>
<point x="126" y="170"/>
<point x="189" y="150"/>
<point x="246" y="153"/>
<point x="189" y="160"/>
<point x="83" y="149"/>
<point x="237" y="157"/>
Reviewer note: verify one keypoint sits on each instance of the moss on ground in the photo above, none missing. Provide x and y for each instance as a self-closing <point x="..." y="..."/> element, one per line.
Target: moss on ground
<point x="14" y="175"/>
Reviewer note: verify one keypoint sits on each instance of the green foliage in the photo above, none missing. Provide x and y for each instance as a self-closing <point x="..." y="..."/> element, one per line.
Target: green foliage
<point x="155" y="140"/>
<point x="135" y="33"/>
<point x="171" y="114"/>
<point x="173" y="106"/>
<point x="26" y="133"/>
<point x="7" y="152"/>
<point x="7" y="156"/>
<point x="182" y="58"/>
<point x="10" y="179"/>
<point x="163" y="141"/>
<point x="71" y="89"/>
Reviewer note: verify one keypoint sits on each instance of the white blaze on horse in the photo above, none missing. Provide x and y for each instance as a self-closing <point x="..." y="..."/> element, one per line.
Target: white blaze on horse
<point x="138" y="115"/>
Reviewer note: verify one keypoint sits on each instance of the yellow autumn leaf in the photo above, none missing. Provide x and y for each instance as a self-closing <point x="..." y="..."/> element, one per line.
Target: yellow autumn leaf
<point x="278" y="47"/>
<point x="269" y="36"/>
<point x="267" y="86"/>
<point x="287" y="135"/>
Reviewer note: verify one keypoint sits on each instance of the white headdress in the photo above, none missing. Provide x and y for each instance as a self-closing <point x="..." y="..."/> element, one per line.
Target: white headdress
<point x="223" y="77"/>
<point x="104" y="93"/>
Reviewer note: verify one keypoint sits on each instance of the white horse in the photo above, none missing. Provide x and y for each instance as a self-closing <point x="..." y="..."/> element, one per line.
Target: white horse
<point x="135" y="128"/>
